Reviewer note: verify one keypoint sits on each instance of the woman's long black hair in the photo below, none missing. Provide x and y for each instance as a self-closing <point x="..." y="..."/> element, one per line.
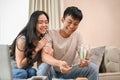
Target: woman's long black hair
<point x="30" y="33"/>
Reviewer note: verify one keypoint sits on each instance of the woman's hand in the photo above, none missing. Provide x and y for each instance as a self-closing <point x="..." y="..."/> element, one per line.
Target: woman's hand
<point x="41" y="44"/>
<point x="48" y="50"/>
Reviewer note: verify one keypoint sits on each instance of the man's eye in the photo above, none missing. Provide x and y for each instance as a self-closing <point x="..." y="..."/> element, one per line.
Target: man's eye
<point x="69" y="22"/>
<point x="76" y="24"/>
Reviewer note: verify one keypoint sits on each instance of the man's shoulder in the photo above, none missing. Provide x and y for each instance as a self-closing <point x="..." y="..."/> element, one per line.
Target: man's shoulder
<point x="53" y="31"/>
<point x="77" y="33"/>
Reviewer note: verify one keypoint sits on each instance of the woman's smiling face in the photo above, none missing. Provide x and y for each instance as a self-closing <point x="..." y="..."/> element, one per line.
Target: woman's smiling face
<point x="42" y="24"/>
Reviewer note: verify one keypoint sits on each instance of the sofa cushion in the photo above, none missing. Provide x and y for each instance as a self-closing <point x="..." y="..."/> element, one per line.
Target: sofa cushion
<point x="112" y="59"/>
<point x="97" y="55"/>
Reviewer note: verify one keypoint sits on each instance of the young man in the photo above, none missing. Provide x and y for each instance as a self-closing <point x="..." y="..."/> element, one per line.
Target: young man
<point x="65" y="42"/>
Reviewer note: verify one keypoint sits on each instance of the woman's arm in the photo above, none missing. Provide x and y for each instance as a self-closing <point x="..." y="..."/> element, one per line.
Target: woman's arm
<point x="19" y="53"/>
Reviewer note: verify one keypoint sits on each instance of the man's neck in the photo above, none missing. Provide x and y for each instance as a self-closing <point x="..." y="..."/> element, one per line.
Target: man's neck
<point x="63" y="33"/>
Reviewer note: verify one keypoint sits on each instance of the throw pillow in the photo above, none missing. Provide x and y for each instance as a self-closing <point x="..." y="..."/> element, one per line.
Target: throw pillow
<point x="97" y="55"/>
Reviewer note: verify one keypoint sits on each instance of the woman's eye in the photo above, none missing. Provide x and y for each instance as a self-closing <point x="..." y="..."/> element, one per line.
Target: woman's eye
<point x="40" y="22"/>
<point x="46" y="22"/>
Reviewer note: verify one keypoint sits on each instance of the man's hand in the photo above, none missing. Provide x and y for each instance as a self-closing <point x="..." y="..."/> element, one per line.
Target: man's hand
<point x="88" y="55"/>
<point x="64" y="68"/>
<point x="83" y="63"/>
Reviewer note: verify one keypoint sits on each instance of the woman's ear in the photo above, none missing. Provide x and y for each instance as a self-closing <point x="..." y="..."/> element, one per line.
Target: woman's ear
<point x="62" y="19"/>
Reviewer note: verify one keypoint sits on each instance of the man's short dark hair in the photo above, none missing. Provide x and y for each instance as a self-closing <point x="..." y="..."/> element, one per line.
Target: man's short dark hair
<point x="74" y="12"/>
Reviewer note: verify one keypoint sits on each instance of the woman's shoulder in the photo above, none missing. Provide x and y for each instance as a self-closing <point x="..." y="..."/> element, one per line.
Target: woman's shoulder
<point x="21" y="41"/>
<point x="21" y="37"/>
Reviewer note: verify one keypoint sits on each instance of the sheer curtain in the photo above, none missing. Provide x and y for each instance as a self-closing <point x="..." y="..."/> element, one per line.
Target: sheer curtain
<point x="52" y="7"/>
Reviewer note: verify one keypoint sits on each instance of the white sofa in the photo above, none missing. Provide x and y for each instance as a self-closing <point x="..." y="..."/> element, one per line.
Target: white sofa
<point x="110" y="65"/>
<point x="107" y="58"/>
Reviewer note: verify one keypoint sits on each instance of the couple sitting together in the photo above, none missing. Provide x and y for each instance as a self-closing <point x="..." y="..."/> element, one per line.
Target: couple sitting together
<point x="51" y="49"/>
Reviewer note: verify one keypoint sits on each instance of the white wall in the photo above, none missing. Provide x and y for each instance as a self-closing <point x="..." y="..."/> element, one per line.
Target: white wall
<point x="13" y="17"/>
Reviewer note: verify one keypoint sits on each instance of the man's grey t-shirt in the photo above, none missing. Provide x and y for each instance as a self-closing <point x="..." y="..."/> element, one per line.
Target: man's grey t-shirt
<point x="64" y="48"/>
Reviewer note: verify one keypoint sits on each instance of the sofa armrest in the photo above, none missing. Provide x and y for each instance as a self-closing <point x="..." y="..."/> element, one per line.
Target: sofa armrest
<point x="109" y="76"/>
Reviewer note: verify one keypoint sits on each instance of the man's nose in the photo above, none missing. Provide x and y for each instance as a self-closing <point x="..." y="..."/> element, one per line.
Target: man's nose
<point x="72" y="26"/>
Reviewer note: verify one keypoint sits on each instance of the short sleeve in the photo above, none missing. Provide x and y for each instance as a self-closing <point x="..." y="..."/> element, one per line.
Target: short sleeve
<point x="49" y="43"/>
<point x="20" y="43"/>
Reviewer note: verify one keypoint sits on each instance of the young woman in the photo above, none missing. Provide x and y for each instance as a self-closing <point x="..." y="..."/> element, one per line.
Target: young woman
<point x="26" y="48"/>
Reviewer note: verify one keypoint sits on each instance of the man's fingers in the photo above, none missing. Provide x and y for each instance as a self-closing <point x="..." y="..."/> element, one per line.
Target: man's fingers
<point x="83" y="63"/>
<point x="65" y="68"/>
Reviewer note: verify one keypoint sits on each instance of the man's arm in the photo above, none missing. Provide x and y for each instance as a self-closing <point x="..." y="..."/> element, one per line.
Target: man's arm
<point x="48" y="58"/>
<point x="62" y="65"/>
